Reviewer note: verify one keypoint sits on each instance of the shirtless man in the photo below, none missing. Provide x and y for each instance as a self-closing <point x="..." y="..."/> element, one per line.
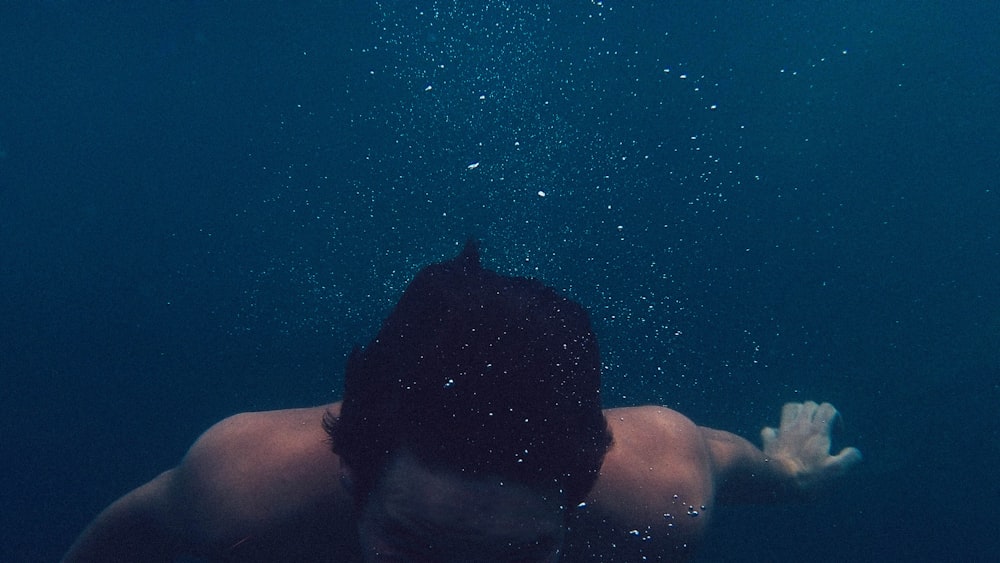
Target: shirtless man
<point x="470" y="431"/>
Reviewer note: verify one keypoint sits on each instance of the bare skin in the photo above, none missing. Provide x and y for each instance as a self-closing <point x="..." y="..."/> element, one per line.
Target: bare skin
<point x="266" y="487"/>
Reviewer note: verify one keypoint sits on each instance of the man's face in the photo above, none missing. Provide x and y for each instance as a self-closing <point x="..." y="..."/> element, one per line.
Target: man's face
<point x="416" y="514"/>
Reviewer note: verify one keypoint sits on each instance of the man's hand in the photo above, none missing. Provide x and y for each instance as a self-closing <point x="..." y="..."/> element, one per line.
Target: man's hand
<point x="802" y="445"/>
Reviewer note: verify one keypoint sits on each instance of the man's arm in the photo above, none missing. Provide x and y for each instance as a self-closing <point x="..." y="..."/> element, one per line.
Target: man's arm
<point x="180" y="509"/>
<point x="269" y="477"/>
<point x="136" y="527"/>
<point x="154" y="522"/>
<point x="794" y="463"/>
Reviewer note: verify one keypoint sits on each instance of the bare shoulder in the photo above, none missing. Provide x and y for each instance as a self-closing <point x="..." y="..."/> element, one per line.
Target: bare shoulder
<point x="254" y="471"/>
<point x="649" y="415"/>
<point x="657" y="447"/>
<point x="655" y="494"/>
<point x="274" y="435"/>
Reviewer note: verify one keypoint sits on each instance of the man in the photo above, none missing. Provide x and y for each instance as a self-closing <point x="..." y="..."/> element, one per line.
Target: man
<point x="470" y="431"/>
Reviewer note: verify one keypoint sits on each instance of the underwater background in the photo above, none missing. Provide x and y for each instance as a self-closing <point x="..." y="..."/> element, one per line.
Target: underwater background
<point x="204" y="206"/>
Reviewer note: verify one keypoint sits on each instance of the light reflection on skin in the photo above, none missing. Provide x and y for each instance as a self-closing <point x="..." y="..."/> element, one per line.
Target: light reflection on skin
<point x="419" y="514"/>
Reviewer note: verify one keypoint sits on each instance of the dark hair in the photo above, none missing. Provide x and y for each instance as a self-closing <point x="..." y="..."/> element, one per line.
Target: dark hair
<point x="479" y="373"/>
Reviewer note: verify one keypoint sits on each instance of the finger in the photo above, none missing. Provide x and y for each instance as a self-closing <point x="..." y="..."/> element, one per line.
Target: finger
<point x="846" y="459"/>
<point x="768" y="435"/>
<point x="825" y="417"/>
<point x="802" y="418"/>
<point x="789" y="412"/>
<point x="808" y="412"/>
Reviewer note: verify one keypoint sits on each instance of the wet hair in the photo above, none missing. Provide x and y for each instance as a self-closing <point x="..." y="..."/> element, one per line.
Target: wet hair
<point x="478" y="373"/>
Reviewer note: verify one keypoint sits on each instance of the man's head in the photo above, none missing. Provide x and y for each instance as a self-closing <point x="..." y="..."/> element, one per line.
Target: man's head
<point x="477" y="375"/>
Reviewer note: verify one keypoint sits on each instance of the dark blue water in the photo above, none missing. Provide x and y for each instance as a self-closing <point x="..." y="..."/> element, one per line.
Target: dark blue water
<point x="202" y="208"/>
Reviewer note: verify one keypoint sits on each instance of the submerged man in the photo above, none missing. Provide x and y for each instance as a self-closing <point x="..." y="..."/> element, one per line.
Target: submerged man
<point x="471" y="430"/>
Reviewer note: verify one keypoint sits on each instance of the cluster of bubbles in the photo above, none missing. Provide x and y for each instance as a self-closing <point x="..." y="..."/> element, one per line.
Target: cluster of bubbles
<point x="580" y="157"/>
<point x="577" y="154"/>
<point x="534" y="113"/>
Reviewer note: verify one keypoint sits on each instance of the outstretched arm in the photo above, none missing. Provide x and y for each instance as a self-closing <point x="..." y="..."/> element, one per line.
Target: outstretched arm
<point x="794" y="463"/>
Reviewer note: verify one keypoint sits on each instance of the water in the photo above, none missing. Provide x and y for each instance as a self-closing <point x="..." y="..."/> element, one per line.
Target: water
<point x="202" y="211"/>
